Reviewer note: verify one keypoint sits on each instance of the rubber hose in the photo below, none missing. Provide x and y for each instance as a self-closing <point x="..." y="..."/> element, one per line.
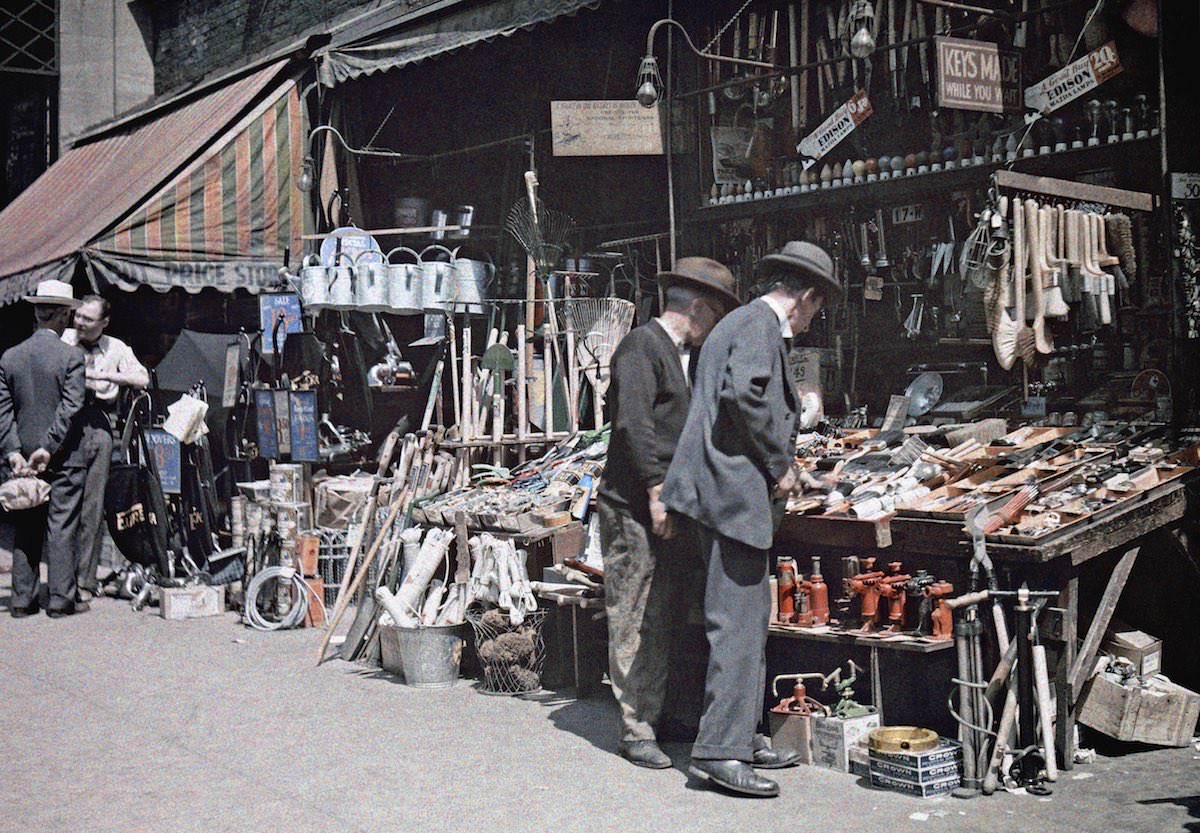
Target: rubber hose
<point x="293" y="617"/>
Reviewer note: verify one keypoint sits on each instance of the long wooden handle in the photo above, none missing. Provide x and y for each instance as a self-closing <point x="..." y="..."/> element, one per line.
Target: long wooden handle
<point x="1018" y="265"/>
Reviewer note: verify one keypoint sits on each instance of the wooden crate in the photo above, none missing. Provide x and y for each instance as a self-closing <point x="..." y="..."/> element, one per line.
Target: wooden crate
<point x="1163" y="715"/>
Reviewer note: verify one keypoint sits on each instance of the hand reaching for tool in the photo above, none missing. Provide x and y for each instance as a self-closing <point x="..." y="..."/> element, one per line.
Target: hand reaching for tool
<point x="786" y="484"/>
<point x="662" y="523"/>
<point x="38" y="460"/>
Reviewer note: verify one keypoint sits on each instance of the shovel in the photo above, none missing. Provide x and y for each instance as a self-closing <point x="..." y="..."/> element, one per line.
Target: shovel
<point x="499" y="360"/>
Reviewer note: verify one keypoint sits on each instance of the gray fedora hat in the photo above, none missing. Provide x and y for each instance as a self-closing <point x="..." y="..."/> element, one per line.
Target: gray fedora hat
<point x="705" y="274"/>
<point x="807" y="259"/>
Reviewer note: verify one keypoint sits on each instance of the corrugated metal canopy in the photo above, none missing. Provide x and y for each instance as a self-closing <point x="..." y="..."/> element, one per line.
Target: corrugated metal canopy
<point x="97" y="184"/>
<point x="465" y="27"/>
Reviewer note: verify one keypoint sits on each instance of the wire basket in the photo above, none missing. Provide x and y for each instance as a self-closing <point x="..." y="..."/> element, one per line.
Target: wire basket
<point x="331" y="561"/>
<point x="511" y="656"/>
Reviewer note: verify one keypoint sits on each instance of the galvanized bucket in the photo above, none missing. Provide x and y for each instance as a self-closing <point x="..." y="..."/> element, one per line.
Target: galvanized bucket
<point x="314" y="285"/>
<point x="370" y="282"/>
<point x="473" y="278"/>
<point x="428" y="655"/>
<point x="341" y="282"/>
<point x="439" y="283"/>
<point x="404" y="283"/>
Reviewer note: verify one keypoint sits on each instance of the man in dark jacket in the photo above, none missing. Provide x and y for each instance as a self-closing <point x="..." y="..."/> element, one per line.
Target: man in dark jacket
<point x="645" y="549"/>
<point x="41" y="392"/>
<point x="734" y="457"/>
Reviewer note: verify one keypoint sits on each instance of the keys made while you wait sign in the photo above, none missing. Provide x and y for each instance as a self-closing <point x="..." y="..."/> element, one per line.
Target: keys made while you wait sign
<point x="977" y="75"/>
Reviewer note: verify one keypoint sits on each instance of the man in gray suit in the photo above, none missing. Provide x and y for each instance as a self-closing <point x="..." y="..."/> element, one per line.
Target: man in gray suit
<point x="734" y="458"/>
<point x="41" y="392"/>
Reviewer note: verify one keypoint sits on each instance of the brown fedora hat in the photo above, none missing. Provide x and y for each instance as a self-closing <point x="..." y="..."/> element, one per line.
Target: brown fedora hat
<point x="808" y="259"/>
<point x="706" y="275"/>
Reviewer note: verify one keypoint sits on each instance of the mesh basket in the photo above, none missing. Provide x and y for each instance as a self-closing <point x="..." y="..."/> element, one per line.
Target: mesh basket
<point x="511" y="656"/>
<point x="331" y="561"/>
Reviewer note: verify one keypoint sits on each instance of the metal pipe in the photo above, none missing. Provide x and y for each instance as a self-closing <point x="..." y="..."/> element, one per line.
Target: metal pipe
<point x="1026" y="725"/>
<point x="966" y="703"/>
<point x="1041" y="678"/>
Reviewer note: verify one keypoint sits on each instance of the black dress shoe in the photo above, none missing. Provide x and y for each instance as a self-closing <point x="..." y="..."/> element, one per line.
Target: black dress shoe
<point x="60" y="612"/>
<point x="767" y="758"/>
<point x="644" y="753"/>
<point x="22" y="612"/>
<point x="735" y="776"/>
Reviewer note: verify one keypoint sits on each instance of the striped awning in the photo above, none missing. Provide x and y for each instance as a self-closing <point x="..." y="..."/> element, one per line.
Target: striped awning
<point x="226" y="220"/>
<point x="135" y="205"/>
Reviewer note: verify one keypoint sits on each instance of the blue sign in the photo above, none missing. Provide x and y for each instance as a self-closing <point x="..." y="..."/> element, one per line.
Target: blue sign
<point x="264" y="417"/>
<point x="271" y="307"/>
<point x="164" y="448"/>
<point x="305" y="445"/>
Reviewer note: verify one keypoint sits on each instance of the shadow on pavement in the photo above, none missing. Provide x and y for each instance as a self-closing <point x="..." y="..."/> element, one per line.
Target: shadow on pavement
<point x="1191" y="802"/>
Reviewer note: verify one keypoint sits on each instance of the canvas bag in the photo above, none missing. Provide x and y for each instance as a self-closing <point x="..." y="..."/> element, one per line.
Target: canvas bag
<point x="135" y="508"/>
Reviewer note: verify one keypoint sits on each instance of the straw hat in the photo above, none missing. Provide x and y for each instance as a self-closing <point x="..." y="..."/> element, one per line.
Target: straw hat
<point x="54" y="292"/>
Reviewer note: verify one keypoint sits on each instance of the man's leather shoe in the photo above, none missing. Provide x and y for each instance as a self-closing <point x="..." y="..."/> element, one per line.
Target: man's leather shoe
<point x="735" y="776"/>
<point x="60" y="612"/>
<point x="767" y="758"/>
<point x="82" y="607"/>
<point x="22" y="612"/>
<point x="644" y="753"/>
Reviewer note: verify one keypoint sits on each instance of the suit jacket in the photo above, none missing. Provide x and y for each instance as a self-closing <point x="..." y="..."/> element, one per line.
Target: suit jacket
<point x="648" y="398"/>
<point x="41" y="393"/>
<point x="738" y="438"/>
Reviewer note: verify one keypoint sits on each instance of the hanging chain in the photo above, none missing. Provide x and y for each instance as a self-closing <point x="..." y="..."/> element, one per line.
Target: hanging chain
<point x="725" y="28"/>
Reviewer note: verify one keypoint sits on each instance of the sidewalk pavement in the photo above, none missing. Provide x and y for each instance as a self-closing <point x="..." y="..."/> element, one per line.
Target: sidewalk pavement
<point x="118" y="720"/>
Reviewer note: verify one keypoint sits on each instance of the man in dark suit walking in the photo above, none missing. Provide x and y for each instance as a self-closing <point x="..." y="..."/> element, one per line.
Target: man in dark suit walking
<point x="735" y="456"/>
<point x="647" y="552"/>
<point x="41" y="392"/>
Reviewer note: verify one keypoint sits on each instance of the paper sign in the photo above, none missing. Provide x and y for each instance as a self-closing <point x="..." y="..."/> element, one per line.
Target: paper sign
<point x="1185" y="186"/>
<point x="834" y="129"/>
<point x="264" y="420"/>
<point x="233" y="360"/>
<point x="729" y="147"/>
<point x="1075" y="79"/>
<point x="897" y="414"/>
<point x="167" y="459"/>
<point x="903" y="214"/>
<point x="806" y="370"/>
<point x="270" y="308"/>
<point x="605" y="128"/>
<point x="303" y="412"/>
<point x="283" y="421"/>
<point x="976" y="75"/>
<point x="873" y="288"/>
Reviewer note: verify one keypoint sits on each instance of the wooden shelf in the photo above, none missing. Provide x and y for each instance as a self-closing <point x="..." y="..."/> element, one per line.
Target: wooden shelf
<point x="911" y="188"/>
<point x="911" y="645"/>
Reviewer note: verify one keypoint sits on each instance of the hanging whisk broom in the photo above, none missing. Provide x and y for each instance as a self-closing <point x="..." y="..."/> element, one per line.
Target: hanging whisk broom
<point x="599" y="324"/>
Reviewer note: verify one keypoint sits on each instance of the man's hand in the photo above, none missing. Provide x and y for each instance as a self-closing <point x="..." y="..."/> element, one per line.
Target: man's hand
<point x="16" y="462"/>
<point x="38" y="460"/>
<point x="786" y="484"/>
<point x="94" y="375"/>
<point x="661" y="522"/>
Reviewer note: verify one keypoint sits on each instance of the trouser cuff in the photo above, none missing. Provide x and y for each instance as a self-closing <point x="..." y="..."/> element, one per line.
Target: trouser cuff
<point x="703" y="752"/>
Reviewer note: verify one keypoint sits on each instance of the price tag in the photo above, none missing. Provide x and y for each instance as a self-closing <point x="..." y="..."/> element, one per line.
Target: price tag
<point x="873" y="288"/>
<point x="1034" y="406"/>
<point x="1185" y="186"/>
<point x="902" y="214"/>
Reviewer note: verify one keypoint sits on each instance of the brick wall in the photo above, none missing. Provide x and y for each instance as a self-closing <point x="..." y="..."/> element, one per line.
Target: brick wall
<point x="193" y="38"/>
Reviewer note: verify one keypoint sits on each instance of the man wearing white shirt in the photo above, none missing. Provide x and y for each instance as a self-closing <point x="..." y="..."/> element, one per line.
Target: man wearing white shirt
<point x="110" y="365"/>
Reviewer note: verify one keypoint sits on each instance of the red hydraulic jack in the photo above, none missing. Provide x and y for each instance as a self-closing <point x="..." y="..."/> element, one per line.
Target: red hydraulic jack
<point x="865" y="585"/>
<point x="812" y="594"/>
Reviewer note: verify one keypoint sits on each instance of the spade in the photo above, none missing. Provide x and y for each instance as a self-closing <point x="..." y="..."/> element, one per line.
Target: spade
<point x="499" y="359"/>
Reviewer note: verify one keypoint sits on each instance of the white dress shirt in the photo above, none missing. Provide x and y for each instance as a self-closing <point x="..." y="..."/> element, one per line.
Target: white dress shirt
<point x="678" y="339"/>
<point x="785" y="326"/>
<point x="108" y="354"/>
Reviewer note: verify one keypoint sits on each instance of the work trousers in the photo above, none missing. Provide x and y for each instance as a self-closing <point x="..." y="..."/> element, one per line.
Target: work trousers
<point x="737" y="612"/>
<point x="48" y="531"/>
<point x="644" y="577"/>
<point x="97" y="445"/>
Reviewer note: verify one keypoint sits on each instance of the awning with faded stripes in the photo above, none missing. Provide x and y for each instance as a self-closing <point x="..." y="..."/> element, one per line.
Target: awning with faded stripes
<point x="199" y="192"/>
<point x="226" y="220"/>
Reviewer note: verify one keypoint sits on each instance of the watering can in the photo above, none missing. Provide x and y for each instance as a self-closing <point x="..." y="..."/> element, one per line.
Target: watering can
<point x="438" y="281"/>
<point x="314" y="286"/>
<point x="341" y="282"/>
<point x="404" y="283"/>
<point x="473" y="278"/>
<point x="370" y="282"/>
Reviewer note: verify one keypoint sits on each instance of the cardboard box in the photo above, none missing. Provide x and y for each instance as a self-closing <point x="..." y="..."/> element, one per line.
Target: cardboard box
<point x="917" y="771"/>
<point x="833" y="737"/>
<point x="1163" y="714"/>
<point x="930" y="790"/>
<point x="792" y="731"/>
<point x="315" y="615"/>
<point x="191" y="602"/>
<point x="1142" y="649"/>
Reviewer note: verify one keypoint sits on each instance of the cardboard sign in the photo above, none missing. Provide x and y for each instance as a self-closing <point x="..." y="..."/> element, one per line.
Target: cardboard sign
<point x="164" y="448"/>
<point x="834" y="129"/>
<point x="977" y="75"/>
<point x="1075" y="79"/>
<point x="730" y="145"/>
<point x="272" y="307"/>
<point x="233" y="363"/>
<point x="283" y="421"/>
<point x="264" y="420"/>
<point x="903" y="214"/>
<point x="605" y="128"/>
<point x="303" y="413"/>
<point x="1185" y="186"/>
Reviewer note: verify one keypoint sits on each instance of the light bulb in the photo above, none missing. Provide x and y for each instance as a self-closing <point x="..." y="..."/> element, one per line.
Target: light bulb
<point x="307" y="175"/>
<point x="862" y="44"/>
<point x="647" y="94"/>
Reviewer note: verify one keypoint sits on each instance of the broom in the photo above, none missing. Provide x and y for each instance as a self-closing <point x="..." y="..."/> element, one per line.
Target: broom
<point x="1004" y="335"/>
<point x="1056" y="304"/>
<point x="601" y="324"/>
<point x="1027" y="237"/>
<point x="1037" y="226"/>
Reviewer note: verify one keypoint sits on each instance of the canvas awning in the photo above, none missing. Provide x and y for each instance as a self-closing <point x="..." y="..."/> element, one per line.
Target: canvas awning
<point x="199" y="195"/>
<point x="467" y="27"/>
